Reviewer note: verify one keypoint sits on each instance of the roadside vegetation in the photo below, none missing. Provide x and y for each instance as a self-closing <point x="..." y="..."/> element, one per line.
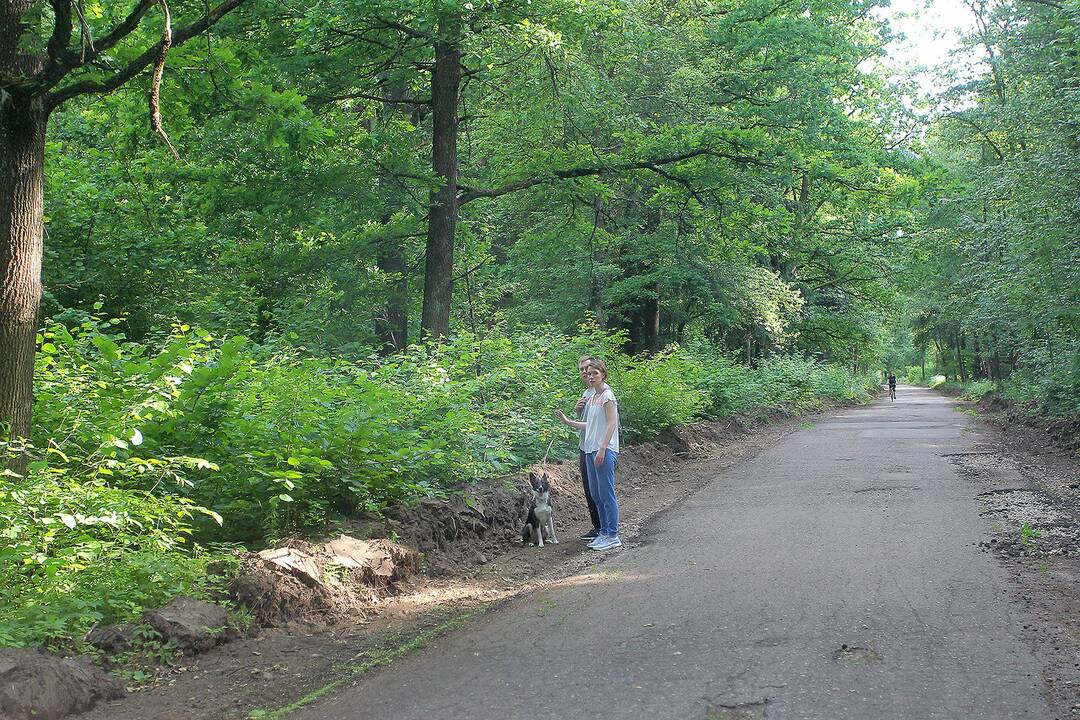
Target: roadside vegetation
<point x="152" y="460"/>
<point x="395" y="226"/>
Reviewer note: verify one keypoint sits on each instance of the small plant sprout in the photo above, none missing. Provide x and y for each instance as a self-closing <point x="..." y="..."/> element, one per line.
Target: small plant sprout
<point x="1028" y="535"/>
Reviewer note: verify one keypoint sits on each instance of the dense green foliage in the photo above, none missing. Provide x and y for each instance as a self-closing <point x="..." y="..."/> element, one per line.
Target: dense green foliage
<point x="995" y="278"/>
<point x="277" y="443"/>
<point x="302" y="187"/>
<point x="721" y="200"/>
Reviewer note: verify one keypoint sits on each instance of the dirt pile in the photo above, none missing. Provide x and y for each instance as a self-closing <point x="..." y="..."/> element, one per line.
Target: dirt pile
<point x="480" y="522"/>
<point x="1033" y="429"/>
<point x="191" y="625"/>
<point x="35" y="684"/>
<point x="331" y="579"/>
<point x="472" y="526"/>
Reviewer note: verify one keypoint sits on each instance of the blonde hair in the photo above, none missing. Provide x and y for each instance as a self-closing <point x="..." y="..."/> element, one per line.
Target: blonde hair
<point x="586" y="359"/>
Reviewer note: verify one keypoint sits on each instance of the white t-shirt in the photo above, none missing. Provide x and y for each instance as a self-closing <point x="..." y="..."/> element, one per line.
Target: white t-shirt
<point x="588" y="393"/>
<point x="596" y="421"/>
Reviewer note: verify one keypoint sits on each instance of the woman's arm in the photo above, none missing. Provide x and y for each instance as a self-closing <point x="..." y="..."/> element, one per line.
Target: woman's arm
<point x="561" y="417"/>
<point x="611" y="413"/>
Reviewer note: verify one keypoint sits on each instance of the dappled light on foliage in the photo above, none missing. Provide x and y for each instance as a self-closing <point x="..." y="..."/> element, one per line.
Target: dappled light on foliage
<point x="396" y="226"/>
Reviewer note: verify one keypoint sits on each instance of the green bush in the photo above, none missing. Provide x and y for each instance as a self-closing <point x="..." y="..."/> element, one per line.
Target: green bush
<point x="657" y="393"/>
<point x="976" y="390"/>
<point x="1053" y="387"/>
<point x="291" y="442"/>
<point x="913" y="375"/>
<point x="79" y="548"/>
<point x="149" y="448"/>
<point x="729" y="387"/>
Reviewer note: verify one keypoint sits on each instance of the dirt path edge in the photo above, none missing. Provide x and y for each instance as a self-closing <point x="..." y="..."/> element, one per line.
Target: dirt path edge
<point x="282" y="669"/>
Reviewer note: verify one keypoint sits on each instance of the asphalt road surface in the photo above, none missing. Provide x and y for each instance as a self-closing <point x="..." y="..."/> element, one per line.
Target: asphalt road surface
<point x="835" y="576"/>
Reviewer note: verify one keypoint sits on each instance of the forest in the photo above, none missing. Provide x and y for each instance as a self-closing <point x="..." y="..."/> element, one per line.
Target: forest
<point x="266" y="266"/>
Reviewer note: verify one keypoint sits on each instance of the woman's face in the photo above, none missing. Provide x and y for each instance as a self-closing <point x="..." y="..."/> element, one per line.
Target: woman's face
<point x="583" y="371"/>
<point x="594" y="377"/>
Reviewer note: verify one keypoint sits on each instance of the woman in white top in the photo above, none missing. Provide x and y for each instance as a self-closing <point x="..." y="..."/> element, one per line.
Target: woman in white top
<point x="600" y="443"/>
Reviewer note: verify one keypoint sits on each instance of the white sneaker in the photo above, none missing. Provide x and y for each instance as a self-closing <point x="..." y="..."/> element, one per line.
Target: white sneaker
<point x="607" y="543"/>
<point x="600" y="537"/>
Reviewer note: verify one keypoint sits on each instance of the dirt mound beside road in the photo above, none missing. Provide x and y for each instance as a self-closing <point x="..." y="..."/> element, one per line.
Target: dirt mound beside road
<point x="1029" y="428"/>
<point x="329" y="580"/>
<point x="472" y="558"/>
<point x="36" y="684"/>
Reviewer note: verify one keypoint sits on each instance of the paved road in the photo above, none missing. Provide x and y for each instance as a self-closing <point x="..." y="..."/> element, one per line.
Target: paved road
<point x="853" y="533"/>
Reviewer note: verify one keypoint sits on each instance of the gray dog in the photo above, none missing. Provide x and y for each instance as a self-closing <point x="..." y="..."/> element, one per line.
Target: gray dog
<point x="540" y="525"/>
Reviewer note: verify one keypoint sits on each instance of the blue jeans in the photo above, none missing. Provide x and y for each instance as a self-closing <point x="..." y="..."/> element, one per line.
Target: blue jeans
<point x="602" y="490"/>
<point x="594" y="514"/>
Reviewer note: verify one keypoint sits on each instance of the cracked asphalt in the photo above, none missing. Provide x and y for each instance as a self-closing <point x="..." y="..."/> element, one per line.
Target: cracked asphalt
<point x="837" y="575"/>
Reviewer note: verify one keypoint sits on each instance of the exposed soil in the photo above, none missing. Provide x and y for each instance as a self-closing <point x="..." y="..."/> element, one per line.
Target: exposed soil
<point x="473" y="559"/>
<point x="1029" y="488"/>
<point x="1023" y="426"/>
<point x="325" y="582"/>
<point x="37" y="684"/>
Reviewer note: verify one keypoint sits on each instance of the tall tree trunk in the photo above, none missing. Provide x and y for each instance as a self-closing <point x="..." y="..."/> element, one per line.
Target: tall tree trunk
<point x="958" y="338"/>
<point x="443" y="214"/>
<point x="392" y="328"/>
<point x="596" y="290"/>
<point x="942" y="358"/>
<point x="978" y="369"/>
<point x="650" y="321"/>
<point x="22" y="162"/>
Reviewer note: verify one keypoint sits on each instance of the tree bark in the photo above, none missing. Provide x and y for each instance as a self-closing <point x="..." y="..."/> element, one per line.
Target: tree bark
<point x="596" y="291"/>
<point x="978" y="367"/>
<point x="23" y="118"/>
<point x="959" y="338"/>
<point x="22" y="162"/>
<point x="652" y="320"/>
<point x="392" y="328"/>
<point x="443" y="214"/>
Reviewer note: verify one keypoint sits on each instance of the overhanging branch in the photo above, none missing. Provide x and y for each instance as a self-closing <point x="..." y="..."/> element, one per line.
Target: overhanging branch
<point x="61" y="36"/>
<point x="143" y="61"/>
<point x="981" y="132"/>
<point x="62" y="61"/>
<point x="155" y="82"/>
<point x="470" y="194"/>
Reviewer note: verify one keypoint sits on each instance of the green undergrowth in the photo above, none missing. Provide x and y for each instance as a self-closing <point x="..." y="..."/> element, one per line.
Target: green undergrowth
<point x="1052" y="394"/>
<point x="151" y="461"/>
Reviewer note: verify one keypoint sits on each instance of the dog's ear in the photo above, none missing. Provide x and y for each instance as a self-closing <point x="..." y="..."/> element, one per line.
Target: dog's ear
<point x="545" y="482"/>
<point x="533" y="481"/>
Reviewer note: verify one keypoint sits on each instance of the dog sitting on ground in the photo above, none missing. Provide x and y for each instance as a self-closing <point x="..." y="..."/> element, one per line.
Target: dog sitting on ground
<point x="540" y="525"/>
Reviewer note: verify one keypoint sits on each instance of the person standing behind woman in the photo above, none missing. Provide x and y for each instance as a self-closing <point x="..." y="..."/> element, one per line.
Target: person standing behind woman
<point x="583" y="462"/>
<point x="600" y="443"/>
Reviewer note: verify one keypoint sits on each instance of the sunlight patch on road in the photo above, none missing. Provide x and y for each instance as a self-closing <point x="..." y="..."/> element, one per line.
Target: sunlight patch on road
<point x="603" y="577"/>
